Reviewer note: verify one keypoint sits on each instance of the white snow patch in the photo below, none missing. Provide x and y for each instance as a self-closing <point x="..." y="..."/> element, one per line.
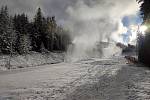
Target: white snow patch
<point x="30" y="60"/>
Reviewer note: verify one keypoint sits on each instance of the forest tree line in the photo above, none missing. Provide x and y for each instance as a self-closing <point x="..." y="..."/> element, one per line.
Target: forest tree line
<point x="18" y="35"/>
<point x="144" y="41"/>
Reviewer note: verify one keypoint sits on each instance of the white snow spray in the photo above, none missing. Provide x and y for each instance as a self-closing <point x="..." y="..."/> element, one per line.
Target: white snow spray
<point x="95" y="23"/>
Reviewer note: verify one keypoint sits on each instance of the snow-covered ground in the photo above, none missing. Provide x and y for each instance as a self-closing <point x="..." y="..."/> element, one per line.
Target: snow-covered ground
<point x="92" y="79"/>
<point x="30" y="60"/>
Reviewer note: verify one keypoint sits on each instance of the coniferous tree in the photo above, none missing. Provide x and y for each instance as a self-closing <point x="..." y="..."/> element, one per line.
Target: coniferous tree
<point x="51" y="36"/>
<point x="7" y="34"/>
<point x="40" y="30"/>
<point x="21" y="23"/>
<point x="20" y="35"/>
<point x="143" y="41"/>
<point x="23" y="42"/>
<point x="145" y="9"/>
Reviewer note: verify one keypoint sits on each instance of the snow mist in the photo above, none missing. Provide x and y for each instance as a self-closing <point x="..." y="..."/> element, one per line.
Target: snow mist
<point x="94" y="23"/>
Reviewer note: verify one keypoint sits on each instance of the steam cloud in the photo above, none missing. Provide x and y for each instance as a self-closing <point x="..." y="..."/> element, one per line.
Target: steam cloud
<point x="95" y="21"/>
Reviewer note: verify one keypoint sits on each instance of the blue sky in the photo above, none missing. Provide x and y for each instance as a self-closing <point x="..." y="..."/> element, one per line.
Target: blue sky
<point x="130" y="20"/>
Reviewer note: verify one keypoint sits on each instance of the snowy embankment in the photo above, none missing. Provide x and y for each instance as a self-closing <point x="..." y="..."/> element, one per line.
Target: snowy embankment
<point x="30" y="60"/>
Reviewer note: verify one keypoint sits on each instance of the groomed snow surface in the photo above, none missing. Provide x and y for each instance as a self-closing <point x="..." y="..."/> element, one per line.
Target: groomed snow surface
<point x="92" y="79"/>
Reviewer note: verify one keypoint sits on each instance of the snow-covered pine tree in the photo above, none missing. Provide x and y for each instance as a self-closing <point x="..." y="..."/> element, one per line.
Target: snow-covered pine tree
<point x="39" y="30"/>
<point x="24" y="44"/>
<point x="51" y="30"/>
<point x="7" y="34"/>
